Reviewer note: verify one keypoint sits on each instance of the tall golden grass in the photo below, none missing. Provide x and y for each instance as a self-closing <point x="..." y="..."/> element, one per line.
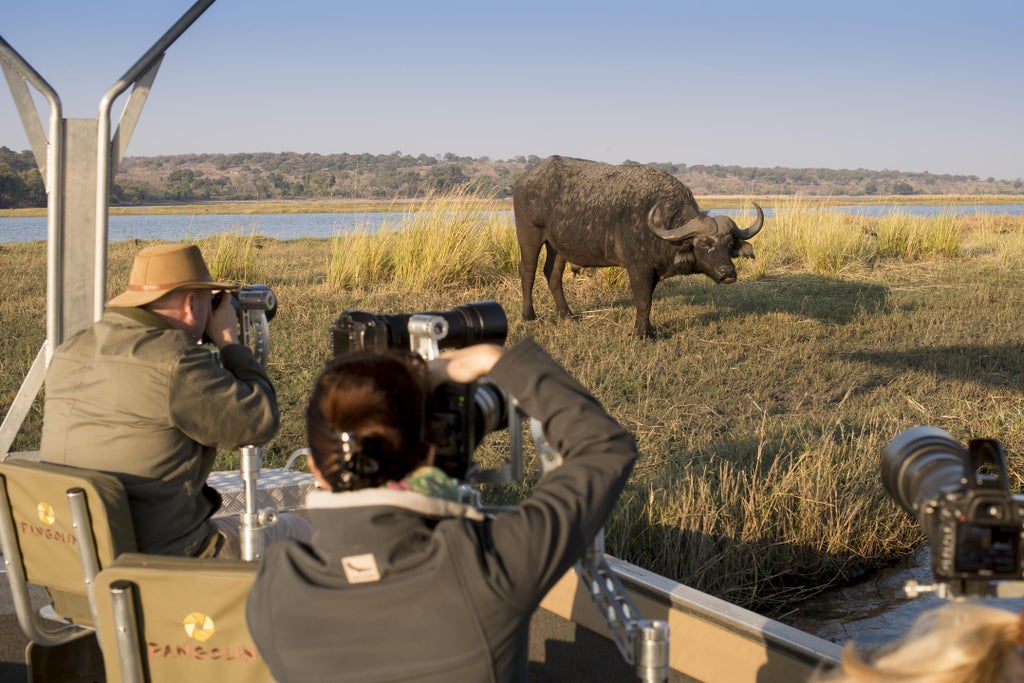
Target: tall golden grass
<point x="458" y="238"/>
<point x="233" y="255"/>
<point x="448" y="239"/>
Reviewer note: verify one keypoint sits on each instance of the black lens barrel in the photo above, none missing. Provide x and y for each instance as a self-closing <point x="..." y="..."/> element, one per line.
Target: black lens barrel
<point x="918" y="463"/>
<point x="476" y="323"/>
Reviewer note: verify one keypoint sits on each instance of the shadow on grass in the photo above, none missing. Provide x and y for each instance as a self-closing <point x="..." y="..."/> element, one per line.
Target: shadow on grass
<point x="762" y="575"/>
<point x="827" y="300"/>
<point x="763" y="564"/>
<point x="999" y="366"/>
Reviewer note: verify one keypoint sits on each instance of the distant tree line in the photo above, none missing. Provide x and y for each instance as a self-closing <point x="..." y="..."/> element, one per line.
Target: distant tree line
<point x="21" y="185"/>
<point x="289" y="175"/>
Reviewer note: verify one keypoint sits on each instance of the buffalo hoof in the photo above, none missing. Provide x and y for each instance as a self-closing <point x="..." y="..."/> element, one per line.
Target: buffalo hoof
<point x="647" y="332"/>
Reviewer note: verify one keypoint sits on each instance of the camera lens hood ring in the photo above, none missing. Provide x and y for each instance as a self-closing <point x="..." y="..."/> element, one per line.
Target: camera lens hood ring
<point x="905" y="462"/>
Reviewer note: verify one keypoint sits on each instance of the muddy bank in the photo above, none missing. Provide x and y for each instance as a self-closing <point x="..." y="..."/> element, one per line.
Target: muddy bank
<point x="874" y="610"/>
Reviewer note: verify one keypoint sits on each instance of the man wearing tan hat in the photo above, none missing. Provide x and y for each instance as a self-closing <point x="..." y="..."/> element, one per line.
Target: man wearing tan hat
<point x="136" y="395"/>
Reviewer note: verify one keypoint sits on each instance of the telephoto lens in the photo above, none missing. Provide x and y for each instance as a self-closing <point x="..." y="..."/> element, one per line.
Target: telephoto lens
<point x="250" y="298"/>
<point x="476" y="323"/>
<point x="918" y="463"/>
<point x="257" y="298"/>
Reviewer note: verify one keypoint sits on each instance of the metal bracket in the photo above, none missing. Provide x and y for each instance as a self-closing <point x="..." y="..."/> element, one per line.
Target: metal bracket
<point x="252" y="521"/>
<point x="16" y="414"/>
<point x="255" y="333"/>
<point x="644" y="643"/>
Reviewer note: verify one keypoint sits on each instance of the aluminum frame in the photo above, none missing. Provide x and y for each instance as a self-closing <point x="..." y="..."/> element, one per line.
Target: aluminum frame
<point x="78" y="159"/>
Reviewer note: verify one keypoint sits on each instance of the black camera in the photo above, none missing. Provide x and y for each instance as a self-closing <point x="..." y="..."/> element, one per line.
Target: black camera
<point x="463" y="414"/>
<point x="962" y="500"/>
<point x="475" y="323"/>
<point x="255" y="306"/>
<point x="250" y="298"/>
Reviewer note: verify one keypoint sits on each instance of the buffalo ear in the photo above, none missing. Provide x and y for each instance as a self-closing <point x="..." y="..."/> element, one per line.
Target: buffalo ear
<point x="743" y="249"/>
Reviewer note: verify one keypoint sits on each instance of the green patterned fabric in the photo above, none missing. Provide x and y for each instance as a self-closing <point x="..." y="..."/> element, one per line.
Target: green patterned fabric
<point x="430" y="481"/>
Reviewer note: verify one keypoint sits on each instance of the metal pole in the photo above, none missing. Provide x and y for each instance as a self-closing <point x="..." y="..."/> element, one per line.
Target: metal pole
<point x="52" y="155"/>
<point x="652" y="651"/>
<point x="251" y="522"/>
<point x="148" y="61"/>
<point x="82" y="524"/>
<point x="126" y="631"/>
<point x="52" y="159"/>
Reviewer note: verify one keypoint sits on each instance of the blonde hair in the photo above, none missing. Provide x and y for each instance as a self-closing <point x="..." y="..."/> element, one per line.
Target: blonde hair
<point x="959" y="642"/>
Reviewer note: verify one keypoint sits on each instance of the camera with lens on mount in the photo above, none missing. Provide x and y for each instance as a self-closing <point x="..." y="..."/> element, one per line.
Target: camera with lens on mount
<point x="466" y="413"/>
<point x="962" y="499"/>
<point x="255" y="306"/>
<point x="463" y="413"/>
<point x="250" y="298"/>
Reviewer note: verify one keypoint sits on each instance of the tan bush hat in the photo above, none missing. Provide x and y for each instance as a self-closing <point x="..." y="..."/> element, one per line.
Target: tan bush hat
<point x="164" y="268"/>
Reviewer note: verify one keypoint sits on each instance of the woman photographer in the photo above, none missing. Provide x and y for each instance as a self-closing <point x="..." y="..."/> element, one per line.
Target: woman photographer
<point x="401" y="581"/>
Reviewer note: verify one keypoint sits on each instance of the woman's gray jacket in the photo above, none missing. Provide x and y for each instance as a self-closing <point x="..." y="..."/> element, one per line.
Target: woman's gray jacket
<point x="400" y="586"/>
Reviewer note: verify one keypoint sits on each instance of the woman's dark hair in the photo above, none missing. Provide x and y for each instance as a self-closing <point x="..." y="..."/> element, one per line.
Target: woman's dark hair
<point x="365" y="422"/>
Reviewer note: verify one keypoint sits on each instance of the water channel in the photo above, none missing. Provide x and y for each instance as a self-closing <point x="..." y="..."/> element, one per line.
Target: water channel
<point x="875" y="610"/>
<point x="871" y="611"/>
<point x="324" y="225"/>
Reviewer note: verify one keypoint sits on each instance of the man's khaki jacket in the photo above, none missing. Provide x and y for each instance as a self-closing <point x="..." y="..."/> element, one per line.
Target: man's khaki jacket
<point x="134" y="397"/>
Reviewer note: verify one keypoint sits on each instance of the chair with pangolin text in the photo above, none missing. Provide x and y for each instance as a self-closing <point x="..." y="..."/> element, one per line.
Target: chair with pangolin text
<point x="177" y="619"/>
<point x="59" y="526"/>
<point x="117" y="615"/>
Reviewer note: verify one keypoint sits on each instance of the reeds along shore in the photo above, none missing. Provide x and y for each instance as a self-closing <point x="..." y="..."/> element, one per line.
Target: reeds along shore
<point x="760" y="410"/>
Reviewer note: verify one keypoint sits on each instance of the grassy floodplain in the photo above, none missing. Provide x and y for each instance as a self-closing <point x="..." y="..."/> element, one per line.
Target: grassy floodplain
<point x="760" y="410"/>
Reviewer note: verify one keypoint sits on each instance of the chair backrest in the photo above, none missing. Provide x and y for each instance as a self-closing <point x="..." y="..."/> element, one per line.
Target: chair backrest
<point x="46" y="545"/>
<point x="183" y="617"/>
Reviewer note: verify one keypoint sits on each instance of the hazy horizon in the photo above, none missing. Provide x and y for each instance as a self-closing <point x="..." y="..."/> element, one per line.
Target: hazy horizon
<point x="912" y="86"/>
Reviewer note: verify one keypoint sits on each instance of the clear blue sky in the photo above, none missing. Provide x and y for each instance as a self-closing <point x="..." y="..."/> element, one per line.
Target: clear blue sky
<point x="915" y="86"/>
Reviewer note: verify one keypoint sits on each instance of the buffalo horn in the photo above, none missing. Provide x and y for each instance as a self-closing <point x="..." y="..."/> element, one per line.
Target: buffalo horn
<point x="755" y="227"/>
<point x="694" y="226"/>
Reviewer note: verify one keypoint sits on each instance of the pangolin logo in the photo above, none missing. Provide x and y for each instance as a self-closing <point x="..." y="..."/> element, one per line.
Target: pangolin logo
<point x="46" y="514"/>
<point x="199" y="627"/>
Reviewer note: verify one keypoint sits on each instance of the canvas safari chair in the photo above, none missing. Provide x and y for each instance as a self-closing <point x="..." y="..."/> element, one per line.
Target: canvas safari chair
<point x="177" y="619"/>
<point x="59" y="526"/>
<point x="120" y="615"/>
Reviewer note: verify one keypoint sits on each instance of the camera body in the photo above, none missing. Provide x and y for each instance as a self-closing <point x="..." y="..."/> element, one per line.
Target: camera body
<point x="462" y="414"/>
<point x="962" y="500"/>
<point x="250" y="298"/>
<point x="255" y="306"/>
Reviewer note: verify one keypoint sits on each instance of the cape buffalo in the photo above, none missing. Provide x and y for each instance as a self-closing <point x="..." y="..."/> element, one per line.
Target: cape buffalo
<point x="640" y="218"/>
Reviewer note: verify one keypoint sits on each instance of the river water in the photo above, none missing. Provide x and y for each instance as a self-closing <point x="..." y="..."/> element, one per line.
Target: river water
<point x="323" y="225"/>
<point x="171" y="227"/>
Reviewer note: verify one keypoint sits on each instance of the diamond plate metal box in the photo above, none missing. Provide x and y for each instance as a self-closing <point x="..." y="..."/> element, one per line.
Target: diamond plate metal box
<point x="284" y="489"/>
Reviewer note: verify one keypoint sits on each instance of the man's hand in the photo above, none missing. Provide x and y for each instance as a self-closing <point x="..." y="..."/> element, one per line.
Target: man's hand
<point x="222" y="325"/>
<point x="464" y="365"/>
